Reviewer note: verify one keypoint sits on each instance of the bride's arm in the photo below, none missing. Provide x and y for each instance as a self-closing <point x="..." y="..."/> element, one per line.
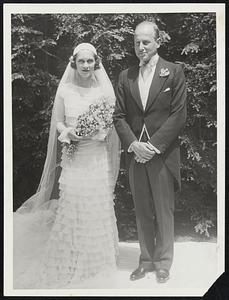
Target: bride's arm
<point x="101" y="135"/>
<point x="66" y="133"/>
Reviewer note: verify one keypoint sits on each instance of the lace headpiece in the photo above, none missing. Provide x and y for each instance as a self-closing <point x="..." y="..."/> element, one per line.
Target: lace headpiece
<point x="84" y="46"/>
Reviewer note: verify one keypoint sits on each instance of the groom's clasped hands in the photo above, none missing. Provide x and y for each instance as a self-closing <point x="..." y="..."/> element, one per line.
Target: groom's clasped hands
<point x="143" y="151"/>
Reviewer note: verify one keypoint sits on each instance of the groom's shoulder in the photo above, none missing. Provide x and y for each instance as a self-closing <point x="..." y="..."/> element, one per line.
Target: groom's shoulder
<point x="131" y="68"/>
<point x="129" y="72"/>
<point x="172" y="65"/>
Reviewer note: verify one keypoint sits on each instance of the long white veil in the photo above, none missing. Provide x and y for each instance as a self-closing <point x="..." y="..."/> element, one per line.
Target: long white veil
<point x="42" y="198"/>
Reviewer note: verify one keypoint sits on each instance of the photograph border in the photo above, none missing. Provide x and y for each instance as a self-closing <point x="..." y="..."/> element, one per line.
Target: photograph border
<point x="13" y="8"/>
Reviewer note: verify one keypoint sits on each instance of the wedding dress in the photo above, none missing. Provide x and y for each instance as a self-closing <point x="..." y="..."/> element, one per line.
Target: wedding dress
<point x="76" y="237"/>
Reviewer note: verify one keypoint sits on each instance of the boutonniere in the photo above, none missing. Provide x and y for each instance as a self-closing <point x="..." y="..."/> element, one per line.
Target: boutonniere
<point x="164" y="72"/>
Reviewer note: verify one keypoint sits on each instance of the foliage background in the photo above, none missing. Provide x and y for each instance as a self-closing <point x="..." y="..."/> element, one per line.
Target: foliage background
<point x="41" y="47"/>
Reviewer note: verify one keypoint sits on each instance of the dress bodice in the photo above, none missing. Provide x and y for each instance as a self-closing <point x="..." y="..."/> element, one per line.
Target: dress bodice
<point x="77" y="101"/>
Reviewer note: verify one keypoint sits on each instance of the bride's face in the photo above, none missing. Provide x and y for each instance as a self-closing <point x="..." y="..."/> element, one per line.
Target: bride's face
<point x="85" y="63"/>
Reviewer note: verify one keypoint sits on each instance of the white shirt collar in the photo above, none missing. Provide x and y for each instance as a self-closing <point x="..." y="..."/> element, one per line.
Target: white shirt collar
<point x="152" y="62"/>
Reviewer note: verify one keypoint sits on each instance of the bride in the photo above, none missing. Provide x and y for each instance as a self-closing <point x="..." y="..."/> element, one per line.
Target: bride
<point x="73" y="238"/>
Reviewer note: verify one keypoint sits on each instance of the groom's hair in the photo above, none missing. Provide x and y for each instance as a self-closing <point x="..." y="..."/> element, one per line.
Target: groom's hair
<point x="96" y="57"/>
<point x="151" y="24"/>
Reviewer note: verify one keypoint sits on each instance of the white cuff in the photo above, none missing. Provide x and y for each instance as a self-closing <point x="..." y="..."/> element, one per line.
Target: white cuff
<point x="63" y="137"/>
<point x="130" y="147"/>
<point x="154" y="148"/>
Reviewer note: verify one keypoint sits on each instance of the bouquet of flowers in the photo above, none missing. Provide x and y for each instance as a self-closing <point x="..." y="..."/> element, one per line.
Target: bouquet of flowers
<point x="98" y="117"/>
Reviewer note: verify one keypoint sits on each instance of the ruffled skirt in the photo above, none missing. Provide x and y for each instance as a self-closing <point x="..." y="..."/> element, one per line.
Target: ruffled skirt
<point x="80" y="240"/>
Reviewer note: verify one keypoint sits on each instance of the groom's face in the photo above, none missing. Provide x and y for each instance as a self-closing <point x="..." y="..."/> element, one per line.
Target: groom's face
<point x="145" y="43"/>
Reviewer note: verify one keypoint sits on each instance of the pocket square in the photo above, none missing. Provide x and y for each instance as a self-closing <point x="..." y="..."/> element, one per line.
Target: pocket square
<point x="166" y="90"/>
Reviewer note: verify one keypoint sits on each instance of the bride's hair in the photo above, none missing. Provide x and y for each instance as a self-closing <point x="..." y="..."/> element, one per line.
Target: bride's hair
<point x="73" y="61"/>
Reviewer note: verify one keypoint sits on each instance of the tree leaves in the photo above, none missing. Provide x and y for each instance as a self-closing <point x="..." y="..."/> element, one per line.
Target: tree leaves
<point x="16" y="76"/>
<point x="191" y="47"/>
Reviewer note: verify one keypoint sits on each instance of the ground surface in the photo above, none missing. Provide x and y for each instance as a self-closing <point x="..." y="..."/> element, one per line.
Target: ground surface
<point x="194" y="269"/>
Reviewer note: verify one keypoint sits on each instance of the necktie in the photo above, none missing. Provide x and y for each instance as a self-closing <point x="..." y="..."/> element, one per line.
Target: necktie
<point x="146" y="69"/>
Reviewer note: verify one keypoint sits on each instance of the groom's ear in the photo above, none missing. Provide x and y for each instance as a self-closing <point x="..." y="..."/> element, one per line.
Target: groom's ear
<point x="158" y="41"/>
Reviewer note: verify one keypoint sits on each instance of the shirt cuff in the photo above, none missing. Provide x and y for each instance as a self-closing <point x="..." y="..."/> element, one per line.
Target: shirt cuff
<point x="154" y="148"/>
<point x="130" y="147"/>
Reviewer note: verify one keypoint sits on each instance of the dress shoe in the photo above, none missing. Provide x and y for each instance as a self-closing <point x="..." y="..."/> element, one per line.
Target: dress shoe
<point x="162" y="275"/>
<point x="139" y="273"/>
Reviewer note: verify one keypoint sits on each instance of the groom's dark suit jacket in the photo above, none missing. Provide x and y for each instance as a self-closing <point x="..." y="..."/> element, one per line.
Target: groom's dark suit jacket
<point x="164" y="115"/>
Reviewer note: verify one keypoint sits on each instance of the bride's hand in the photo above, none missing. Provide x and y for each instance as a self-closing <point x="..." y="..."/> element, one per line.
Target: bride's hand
<point x="100" y="136"/>
<point x="72" y="135"/>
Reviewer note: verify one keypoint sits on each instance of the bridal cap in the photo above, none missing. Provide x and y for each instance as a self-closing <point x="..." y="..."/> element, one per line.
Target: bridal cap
<point x="85" y="46"/>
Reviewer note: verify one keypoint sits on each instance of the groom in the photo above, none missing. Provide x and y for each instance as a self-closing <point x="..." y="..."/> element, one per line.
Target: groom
<point x="149" y="115"/>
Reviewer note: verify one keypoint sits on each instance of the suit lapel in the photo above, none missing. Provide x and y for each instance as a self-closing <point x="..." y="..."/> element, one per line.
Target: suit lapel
<point x="157" y="83"/>
<point x="134" y="87"/>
